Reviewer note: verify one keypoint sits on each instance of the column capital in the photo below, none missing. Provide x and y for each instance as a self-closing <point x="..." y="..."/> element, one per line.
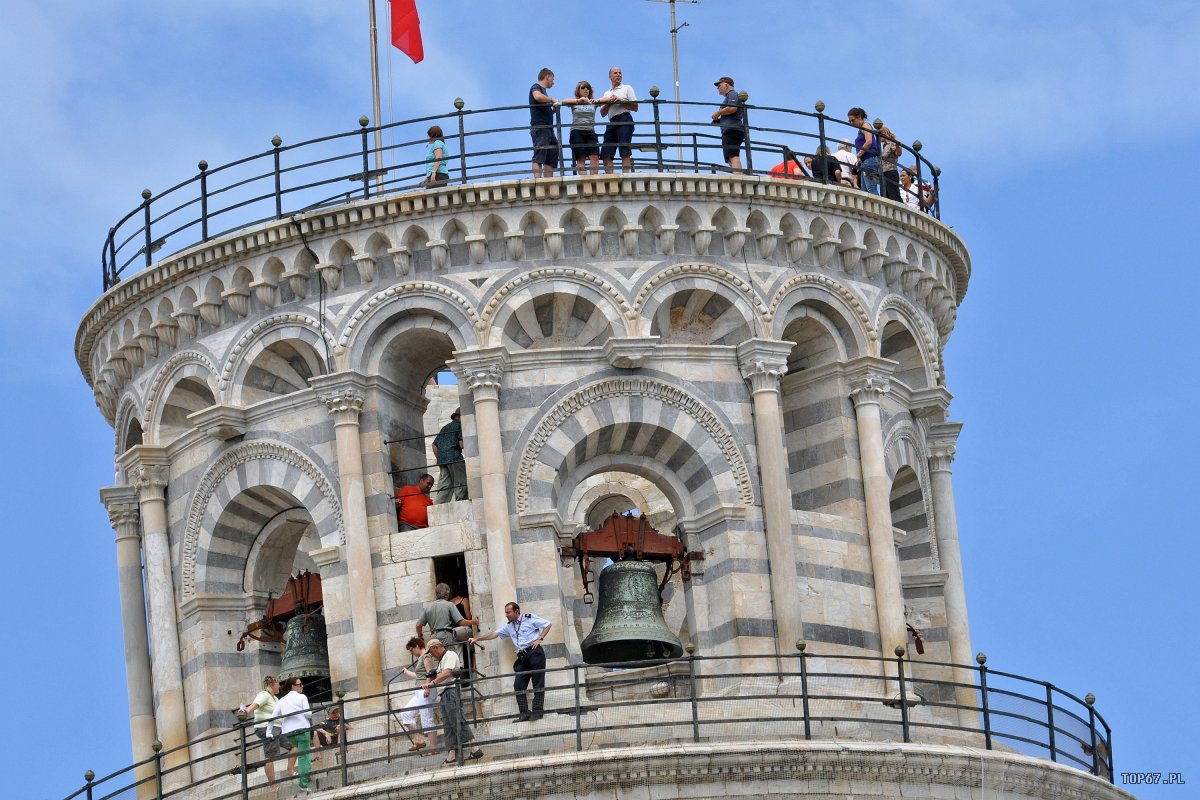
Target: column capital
<point x="124" y="512"/>
<point x="343" y="393"/>
<point x="481" y="370"/>
<point x="763" y="362"/>
<point x="869" y="378"/>
<point x="942" y="439"/>
<point x="146" y="468"/>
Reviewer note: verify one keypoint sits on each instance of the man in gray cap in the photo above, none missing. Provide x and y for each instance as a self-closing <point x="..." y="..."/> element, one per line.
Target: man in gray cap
<point x="732" y="119"/>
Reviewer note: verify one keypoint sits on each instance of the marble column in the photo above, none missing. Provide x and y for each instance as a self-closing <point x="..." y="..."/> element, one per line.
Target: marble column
<point x="344" y="394"/>
<point x="125" y="515"/>
<point x="869" y="380"/>
<point x="148" y="469"/>
<point x="941" y="439"/>
<point x="480" y="371"/>
<point x="763" y="362"/>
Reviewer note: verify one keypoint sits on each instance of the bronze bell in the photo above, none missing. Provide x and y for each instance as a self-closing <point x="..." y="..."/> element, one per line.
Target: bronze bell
<point x="629" y="622"/>
<point x="305" y="651"/>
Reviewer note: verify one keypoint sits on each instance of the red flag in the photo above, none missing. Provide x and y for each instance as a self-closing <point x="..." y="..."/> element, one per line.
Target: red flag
<point x="406" y="29"/>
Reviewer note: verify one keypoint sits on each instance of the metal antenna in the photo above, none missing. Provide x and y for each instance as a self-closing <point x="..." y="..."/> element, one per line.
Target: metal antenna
<point x="675" y="29"/>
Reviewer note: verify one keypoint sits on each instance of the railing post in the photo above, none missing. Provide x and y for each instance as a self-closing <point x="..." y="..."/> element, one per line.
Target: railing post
<point x="1050" y="719"/>
<point x="88" y="777"/>
<point x="936" y="209"/>
<point x="108" y="259"/>
<point x="578" y="711"/>
<point x="558" y="137"/>
<point x="801" y="646"/>
<point x="344" y="734"/>
<point x="691" y="651"/>
<point x="1090" y="699"/>
<point x="146" y="195"/>
<point x="157" y="747"/>
<point x="903" y="693"/>
<point x="658" y="145"/>
<point x="203" y="165"/>
<point x="695" y="152"/>
<point x="916" y="148"/>
<point x="462" y="140"/>
<point x="363" y="122"/>
<point x="981" y="659"/>
<point x="276" y="142"/>
<point x="823" y="143"/>
<point x="242" y="717"/>
<point x="458" y="721"/>
<point x="742" y="98"/>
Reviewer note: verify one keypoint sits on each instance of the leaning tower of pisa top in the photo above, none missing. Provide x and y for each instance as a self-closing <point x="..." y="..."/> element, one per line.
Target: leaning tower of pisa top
<point x="751" y="363"/>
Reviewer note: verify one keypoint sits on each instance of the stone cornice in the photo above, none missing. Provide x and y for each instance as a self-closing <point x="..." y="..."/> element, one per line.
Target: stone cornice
<point x="281" y="234"/>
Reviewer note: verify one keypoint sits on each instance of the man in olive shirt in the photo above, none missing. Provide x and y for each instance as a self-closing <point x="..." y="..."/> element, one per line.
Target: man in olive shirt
<point x="448" y="449"/>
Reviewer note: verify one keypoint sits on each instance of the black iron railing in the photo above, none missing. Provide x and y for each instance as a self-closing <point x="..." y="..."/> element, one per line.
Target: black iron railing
<point x="481" y="145"/>
<point x="692" y="699"/>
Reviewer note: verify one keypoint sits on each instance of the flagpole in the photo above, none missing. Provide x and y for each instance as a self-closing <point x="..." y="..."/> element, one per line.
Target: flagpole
<point x="375" y="98"/>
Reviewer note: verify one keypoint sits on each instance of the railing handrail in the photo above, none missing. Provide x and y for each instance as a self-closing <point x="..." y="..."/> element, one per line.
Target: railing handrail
<point x="909" y="678"/>
<point x="142" y="227"/>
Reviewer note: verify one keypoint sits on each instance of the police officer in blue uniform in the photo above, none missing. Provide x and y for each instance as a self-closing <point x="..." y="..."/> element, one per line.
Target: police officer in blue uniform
<point x="526" y="631"/>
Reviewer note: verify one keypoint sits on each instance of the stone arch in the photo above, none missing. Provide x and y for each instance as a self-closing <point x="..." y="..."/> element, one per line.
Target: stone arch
<point x="300" y="329"/>
<point x="512" y="295"/>
<point x="911" y="498"/>
<point x="556" y="319"/>
<point x="905" y="339"/>
<point x="340" y="253"/>
<point x="277" y="477"/>
<point x="707" y="277"/>
<point x="701" y="315"/>
<point x="127" y="425"/>
<point x="187" y="365"/>
<point x="573" y="222"/>
<point x="593" y="499"/>
<point x="361" y="337"/>
<point x="279" y="547"/>
<point x="573" y="429"/>
<point x="842" y="303"/>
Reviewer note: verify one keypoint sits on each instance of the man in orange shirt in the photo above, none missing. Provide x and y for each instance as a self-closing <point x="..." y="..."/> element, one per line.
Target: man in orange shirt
<point x="412" y="504"/>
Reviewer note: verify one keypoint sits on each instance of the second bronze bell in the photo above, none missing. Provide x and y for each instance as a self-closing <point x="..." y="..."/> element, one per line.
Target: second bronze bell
<point x="629" y="622"/>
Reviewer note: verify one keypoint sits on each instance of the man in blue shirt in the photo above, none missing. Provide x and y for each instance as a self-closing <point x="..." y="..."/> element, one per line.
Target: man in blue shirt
<point x="448" y="448"/>
<point x="541" y="125"/>
<point x="526" y="631"/>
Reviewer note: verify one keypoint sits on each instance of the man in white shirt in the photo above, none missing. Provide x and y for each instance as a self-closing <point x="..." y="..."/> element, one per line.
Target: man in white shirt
<point x="617" y="105"/>
<point x="454" y="724"/>
<point x="849" y="161"/>
<point x="293" y="713"/>
<point x="526" y="632"/>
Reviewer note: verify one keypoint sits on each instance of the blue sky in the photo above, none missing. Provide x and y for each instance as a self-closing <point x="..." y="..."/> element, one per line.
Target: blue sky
<point x="1065" y="133"/>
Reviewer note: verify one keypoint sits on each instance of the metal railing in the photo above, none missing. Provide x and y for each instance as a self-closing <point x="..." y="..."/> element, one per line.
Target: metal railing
<point x="697" y="699"/>
<point x="483" y="144"/>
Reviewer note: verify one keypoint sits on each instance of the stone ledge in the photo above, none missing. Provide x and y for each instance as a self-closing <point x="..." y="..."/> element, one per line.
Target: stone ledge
<point x="753" y="769"/>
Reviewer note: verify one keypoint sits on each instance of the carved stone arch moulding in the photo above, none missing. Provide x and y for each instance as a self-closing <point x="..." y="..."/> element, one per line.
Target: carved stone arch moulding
<point x="581" y="276"/>
<point x="917" y="327"/>
<point x="263" y="328"/>
<point x="905" y="448"/>
<point x="173" y="366"/>
<point x="127" y="410"/>
<point x="228" y="463"/>
<point x="711" y="271"/>
<point x="398" y="292"/>
<point x="638" y="387"/>
<point x="848" y="297"/>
